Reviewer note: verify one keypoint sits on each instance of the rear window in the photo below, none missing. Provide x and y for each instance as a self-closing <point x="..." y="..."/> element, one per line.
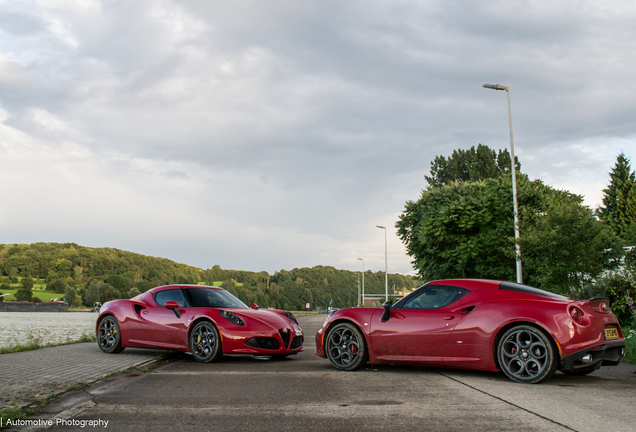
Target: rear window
<point x="512" y="286"/>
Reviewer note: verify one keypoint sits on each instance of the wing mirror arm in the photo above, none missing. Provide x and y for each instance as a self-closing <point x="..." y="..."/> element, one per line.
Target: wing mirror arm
<point x="387" y="311"/>
<point x="174" y="306"/>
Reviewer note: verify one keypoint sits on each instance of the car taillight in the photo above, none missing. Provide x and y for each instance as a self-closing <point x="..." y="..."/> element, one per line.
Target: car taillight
<point x="577" y="315"/>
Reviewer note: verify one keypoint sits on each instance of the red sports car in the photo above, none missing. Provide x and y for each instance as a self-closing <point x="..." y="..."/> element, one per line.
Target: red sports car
<point x="488" y="325"/>
<point x="203" y="320"/>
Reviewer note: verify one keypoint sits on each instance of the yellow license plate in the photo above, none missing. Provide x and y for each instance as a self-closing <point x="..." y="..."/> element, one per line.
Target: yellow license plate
<point x="611" y="333"/>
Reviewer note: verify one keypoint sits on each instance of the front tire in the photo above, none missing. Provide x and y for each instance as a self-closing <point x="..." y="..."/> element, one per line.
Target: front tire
<point x="526" y="355"/>
<point x="109" y="336"/>
<point x="205" y="342"/>
<point x="345" y="347"/>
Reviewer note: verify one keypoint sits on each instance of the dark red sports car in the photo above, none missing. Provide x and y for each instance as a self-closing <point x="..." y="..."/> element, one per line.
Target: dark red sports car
<point x="488" y="325"/>
<point x="203" y="320"/>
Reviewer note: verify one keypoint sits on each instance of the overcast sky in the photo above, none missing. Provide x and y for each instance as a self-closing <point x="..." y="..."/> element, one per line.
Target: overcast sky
<point x="268" y="135"/>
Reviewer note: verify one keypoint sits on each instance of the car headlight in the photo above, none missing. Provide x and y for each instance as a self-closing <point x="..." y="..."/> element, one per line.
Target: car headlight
<point x="291" y="317"/>
<point x="232" y="317"/>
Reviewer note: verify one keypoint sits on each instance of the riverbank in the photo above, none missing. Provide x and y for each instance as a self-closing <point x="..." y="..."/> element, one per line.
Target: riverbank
<point x="45" y="327"/>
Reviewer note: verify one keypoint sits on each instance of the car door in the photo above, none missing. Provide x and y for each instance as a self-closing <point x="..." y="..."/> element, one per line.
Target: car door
<point x="418" y="326"/>
<point x="162" y="326"/>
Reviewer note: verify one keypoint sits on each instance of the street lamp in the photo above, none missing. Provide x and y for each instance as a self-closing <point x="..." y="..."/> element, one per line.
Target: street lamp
<point x="362" y="259"/>
<point x="514" y="180"/>
<point x="386" y="267"/>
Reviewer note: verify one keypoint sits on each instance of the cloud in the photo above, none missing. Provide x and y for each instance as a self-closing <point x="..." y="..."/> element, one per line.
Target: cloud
<point x="269" y="135"/>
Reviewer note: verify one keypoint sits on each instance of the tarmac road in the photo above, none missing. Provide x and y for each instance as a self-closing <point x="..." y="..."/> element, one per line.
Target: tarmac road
<point x="304" y="393"/>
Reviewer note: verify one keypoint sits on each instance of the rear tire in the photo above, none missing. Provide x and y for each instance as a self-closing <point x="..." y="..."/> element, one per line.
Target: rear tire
<point x="527" y="355"/>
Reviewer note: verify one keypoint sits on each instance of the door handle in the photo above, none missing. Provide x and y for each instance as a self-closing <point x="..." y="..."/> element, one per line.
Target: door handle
<point x="450" y="317"/>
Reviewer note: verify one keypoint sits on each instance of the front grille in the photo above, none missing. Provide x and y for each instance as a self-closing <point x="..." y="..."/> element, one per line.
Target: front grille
<point x="297" y="342"/>
<point x="285" y="335"/>
<point x="267" y="343"/>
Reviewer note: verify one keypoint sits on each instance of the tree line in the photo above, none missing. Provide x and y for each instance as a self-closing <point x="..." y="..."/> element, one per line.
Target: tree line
<point x="91" y="275"/>
<point x="462" y="226"/>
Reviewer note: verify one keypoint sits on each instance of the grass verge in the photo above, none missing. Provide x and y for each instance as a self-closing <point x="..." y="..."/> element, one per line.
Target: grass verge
<point x="13" y="415"/>
<point x="35" y="342"/>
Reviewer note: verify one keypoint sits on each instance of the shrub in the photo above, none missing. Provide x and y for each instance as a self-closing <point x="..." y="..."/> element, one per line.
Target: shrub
<point x="57" y="285"/>
<point x="70" y="295"/>
<point x="27" y="283"/>
<point x="1" y="298"/>
<point x="92" y="294"/>
<point x="108" y="293"/>
<point x="24" y="295"/>
<point x="36" y="300"/>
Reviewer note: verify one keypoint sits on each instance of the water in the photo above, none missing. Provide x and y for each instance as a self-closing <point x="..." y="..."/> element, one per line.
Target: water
<point x="49" y="327"/>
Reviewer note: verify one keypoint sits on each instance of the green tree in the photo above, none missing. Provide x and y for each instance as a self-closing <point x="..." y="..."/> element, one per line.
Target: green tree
<point x="619" y="201"/>
<point x="24" y="295"/>
<point x="108" y="293"/>
<point x="564" y="245"/>
<point x="133" y="292"/>
<point x="27" y="283"/>
<point x="92" y="294"/>
<point x="70" y="295"/>
<point x="470" y="165"/>
<point x="466" y="230"/>
<point x="57" y="285"/>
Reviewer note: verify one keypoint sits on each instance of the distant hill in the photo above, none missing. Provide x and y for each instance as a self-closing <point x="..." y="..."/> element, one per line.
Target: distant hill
<point x="78" y="266"/>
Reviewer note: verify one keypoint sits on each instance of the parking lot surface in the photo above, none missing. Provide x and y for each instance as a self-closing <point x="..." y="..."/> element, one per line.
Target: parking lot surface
<point x="305" y="393"/>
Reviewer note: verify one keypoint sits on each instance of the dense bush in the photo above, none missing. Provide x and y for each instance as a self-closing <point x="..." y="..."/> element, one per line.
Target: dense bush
<point x="57" y="285"/>
<point x="24" y="295"/>
<point x="27" y="283"/>
<point x="91" y="296"/>
<point x="70" y="295"/>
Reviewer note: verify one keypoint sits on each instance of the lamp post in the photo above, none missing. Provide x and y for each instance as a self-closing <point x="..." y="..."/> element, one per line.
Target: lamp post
<point x="386" y="267"/>
<point x="514" y="179"/>
<point x="361" y="259"/>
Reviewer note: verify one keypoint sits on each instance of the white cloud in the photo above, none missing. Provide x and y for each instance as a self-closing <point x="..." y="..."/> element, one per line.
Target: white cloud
<point x="274" y="135"/>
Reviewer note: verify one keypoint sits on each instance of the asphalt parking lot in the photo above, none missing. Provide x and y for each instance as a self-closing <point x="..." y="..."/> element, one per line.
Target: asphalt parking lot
<point x="305" y="393"/>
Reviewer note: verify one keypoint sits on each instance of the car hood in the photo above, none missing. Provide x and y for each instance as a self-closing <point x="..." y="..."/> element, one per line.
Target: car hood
<point x="264" y="316"/>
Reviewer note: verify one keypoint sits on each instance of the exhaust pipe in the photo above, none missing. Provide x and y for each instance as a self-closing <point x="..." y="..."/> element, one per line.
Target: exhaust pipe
<point x="587" y="359"/>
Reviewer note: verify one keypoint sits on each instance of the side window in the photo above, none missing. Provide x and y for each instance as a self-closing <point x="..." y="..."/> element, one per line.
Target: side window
<point x="175" y="295"/>
<point x="434" y="297"/>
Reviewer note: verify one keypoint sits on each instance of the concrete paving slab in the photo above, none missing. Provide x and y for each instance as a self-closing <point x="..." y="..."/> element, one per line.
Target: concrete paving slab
<point x="50" y="370"/>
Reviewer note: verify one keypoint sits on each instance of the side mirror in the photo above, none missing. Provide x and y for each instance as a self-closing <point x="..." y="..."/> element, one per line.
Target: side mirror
<point x="254" y="306"/>
<point x="174" y="306"/>
<point x="387" y="311"/>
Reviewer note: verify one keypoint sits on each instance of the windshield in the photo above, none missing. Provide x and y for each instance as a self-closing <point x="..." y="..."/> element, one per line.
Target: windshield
<point x="213" y="298"/>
